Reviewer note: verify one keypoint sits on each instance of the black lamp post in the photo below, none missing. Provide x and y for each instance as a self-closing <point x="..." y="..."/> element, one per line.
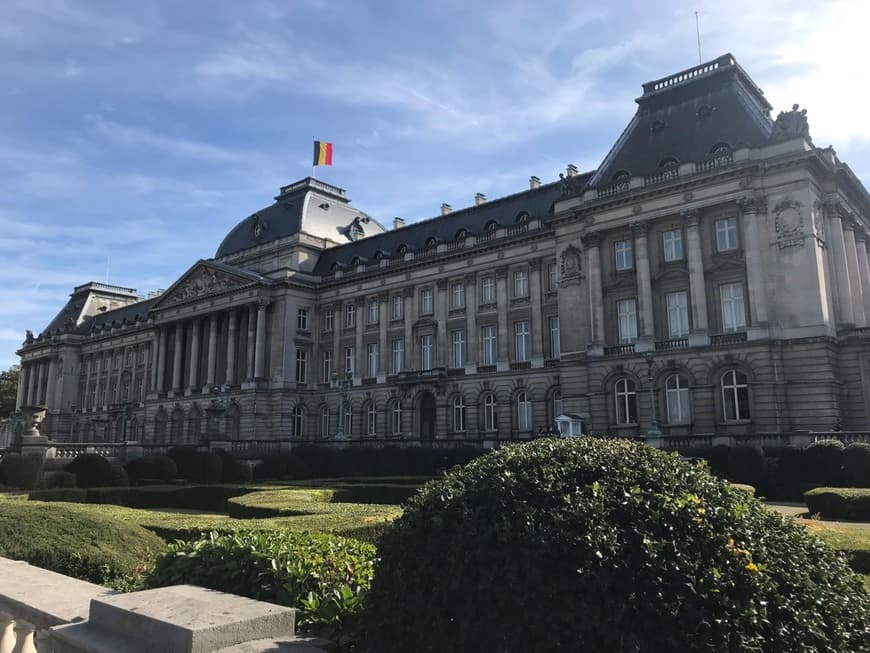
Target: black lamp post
<point x="653" y="430"/>
<point x="342" y="384"/>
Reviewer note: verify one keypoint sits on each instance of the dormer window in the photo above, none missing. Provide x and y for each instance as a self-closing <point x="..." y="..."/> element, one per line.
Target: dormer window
<point x="668" y="163"/>
<point x="523" y="217"/>
<point x="462" y="233"/>
<point x="492" y="225"/>
<point x="401" y="250"/>
<point x="431" y="241"/>
<point x="721" y="154"/>
<point x="621" y="179"/>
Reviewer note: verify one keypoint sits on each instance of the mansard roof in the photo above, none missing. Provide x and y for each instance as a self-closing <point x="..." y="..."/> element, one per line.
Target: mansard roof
<point x="71" y="319"/>
<point x="534" y="203"/>
<point x="685" y="117"/>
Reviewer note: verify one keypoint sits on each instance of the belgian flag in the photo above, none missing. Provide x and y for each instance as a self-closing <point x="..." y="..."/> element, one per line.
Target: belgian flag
<point x="322" y="153"/>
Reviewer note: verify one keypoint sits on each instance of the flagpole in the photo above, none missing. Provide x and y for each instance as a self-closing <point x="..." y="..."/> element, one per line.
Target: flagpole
<point x="314" y="164"/>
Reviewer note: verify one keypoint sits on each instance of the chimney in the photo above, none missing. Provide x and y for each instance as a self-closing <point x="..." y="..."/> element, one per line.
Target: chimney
<point x="534" y="182"/>
<point x="398" y="222"/>
<point x="479" y="198"/>
<point x="445" y="209"/>
<point x="572" y="170"/>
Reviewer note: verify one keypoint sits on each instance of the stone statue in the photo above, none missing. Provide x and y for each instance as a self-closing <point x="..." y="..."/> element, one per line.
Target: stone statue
<point x="791" y="124"/>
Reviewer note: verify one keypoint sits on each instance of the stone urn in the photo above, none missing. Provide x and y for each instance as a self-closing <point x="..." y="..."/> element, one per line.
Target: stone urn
<point x="33" y="416"/>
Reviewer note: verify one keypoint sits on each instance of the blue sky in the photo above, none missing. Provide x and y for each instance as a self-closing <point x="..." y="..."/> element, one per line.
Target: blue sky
<point x="133" y="136"/>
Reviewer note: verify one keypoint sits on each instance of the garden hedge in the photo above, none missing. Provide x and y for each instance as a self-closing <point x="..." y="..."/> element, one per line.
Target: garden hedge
<point x="605" y="545"/>
<point x="839" y="503"/>
<point x="212" y="498"/>
<point x="824" y="462"/>
<point x="21" y="472"/>
<point x="856" y="464"/>
<point x="91" y="470"/>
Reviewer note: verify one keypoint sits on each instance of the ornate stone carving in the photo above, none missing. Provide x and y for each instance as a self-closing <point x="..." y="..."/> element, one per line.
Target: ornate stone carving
<point x="791" y="124"/>
<point x="640" y="229"/>
<point x="691" y="216"/>
<point x="849" y="223"/>
<point x="259" y="227"/>
<point x="441" y="284"/>
<point x="471" y="278"/>
<point x="591" y="239"/>
<point x="201" y="282"/>
<point x="753" y="204"/>
<point x="789" y="224"/>
<point x="819" y="221"/>
<point x="636" y="209"/>
<point x="688" y="196"/>
<point x="535" y="264"/>
<point x="570" y="262"/>
<point x="570" y="185"/>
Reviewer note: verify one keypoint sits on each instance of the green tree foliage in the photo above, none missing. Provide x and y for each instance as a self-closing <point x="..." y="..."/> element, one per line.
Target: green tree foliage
<point x="8" y="390"/>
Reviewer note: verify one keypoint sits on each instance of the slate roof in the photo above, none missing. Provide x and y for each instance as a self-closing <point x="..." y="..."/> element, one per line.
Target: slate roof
<point x="683" y="116"/>
<point x="64" y="320"/>
<point x="537" y="203"/>
<point x="283" y="218"/>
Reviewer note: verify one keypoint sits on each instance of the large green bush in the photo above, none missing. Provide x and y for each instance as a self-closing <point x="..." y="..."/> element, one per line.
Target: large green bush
<point x="158" y="468"/>
<point x="605" y="545"/>
<point x="322" y="575"/>
<point x="856" y="464"/>
<point x="19" y="471"/>
<point x="746" y="465"/>
<point x="91" y="470"/>
<point x="824" y="462"/>
<point x="839" y="502"/>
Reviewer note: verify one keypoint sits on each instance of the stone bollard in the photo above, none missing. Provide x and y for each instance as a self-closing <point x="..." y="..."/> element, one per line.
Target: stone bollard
<point x="7" y="633"/>
<point x="24" y="634"/>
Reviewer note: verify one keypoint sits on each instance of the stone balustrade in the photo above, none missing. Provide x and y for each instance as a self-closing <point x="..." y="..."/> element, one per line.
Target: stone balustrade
<point x="45" y="611"/>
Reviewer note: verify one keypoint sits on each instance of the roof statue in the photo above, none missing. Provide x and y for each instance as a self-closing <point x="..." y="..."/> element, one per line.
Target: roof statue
<point x="791" y="124"/>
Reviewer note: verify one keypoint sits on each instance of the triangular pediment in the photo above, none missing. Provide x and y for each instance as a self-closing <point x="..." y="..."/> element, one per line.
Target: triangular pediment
<point x="204" y="279"/>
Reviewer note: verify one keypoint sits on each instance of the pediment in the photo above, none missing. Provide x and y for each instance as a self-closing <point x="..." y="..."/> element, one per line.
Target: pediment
<point x="622" y="281"/>
<point x="202" y="280"/>
<point x="672" y="273"/>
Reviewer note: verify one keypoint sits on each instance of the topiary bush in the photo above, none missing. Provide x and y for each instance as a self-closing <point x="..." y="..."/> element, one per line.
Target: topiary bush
<point x="824" y="462"/>
<point x="91" y="470"/>
<point x="856" y="464"/>
<point x="19" y="471"/>
<point x="746" y="465"/>
<point x="165" y="469"/>
<point x="119" y="476"/>
<point x="839" y="502"/>
<point x="55" y="480"/>
<point x="206" y="467"/>
<point x="183" y="458"/>
<point x="791" y="473"/>
<point x="604" y="545"/>
<point x="234" y="470"/>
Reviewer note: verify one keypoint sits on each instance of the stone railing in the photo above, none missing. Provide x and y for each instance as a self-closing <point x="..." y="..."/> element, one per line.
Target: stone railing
<point x="673" y="343"/>
<point x="53" y="613"/>
<point x="731" y="338"/>
<point x="843" y="436"/>
<point x="619" y="350"/>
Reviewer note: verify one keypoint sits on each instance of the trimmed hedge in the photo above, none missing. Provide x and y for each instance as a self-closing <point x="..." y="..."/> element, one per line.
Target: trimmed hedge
<point x="19" y="471"/>
<point x="212" y="498"/>
<point x="746" y="465"/>
<point x="839" y="503"/>
<point x="91" y="470"/>
<point x="119" y="476"/>
<point x="605" y="545"/>
<point x="856" y="464"/>
<point x="60" y="480"/>
<point x="160" y="468"/>
<point x="824" y="462"/>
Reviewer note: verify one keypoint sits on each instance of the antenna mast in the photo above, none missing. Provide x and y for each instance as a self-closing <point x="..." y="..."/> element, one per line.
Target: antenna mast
<point x="698" y="33"/>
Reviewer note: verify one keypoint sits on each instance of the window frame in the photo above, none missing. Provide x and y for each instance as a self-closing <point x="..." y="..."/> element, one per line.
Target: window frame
<point x="349" y="316"/>
<point x="734" y="388"/>
<point x="726" y="226"/>
<point x="324" y="422"/>
<point x="523" y="407"/>
<point x="627" y="328"/>
<point x="395" y="409"/>
<point x="397" y="355"/>
<point x="397" y="304"/>
<point x="670" y="246"/>
<point x="301" y="365"/>
<point x="297" y="415"/>
<point x="371" y="419"/>
<point x="521" y="284"/>
<point x="730" y="302"/>
<point x="680" y="311"/>
<point x="427" y="352"/>
<point x="374" y="312"/>
<point x="487" y="290"/>
<point x="552" y="277"/>
<point x="488" y="344"/>
<point x="681" y="394"/>
<point x="490" y="412"/>
<point x="457" y="295"/>
<point x="349" y="360"/>
<point x="522" y="341"/>
<point x="625" y="395"/>
<point x="457" y="350"/>
<point x="373" y="359"/>
<point x="555" y="337"/>
<point x="326" y="365"/>
<point x="458" y="413"/>
<point x="427" y="300"/>
<point x="623" y="255"/>
<point x="328" y="319"/>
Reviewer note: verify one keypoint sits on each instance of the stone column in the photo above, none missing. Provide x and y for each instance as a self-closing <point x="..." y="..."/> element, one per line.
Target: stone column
<point x="441" y="319"/>
<point x="471" y="323"/>
<point x="697" y="284"/>
<point x="644" y="282"/>
<point x="162" y="346"/>
<point x="359" y="365"/>
<point x="537" y="327"/>
<point x="383" y="353"/>
<point x="846" y="313"/>
<point x="158" y="342"/>
<point x="260" y="345"/>
<point x="109" y="357"/>
<point x="32" y="373"/>
<point x="193" y="370"/>
<point x="861" y="242"/>
<point x="753" y="210"/>
<point x="21" y="397"/>
<point x="337" y="354"/>
<point x="849" y="227"/>
<point x="231" y="347"/>
<point x="504" y="335"/>
<point x="592" y="241"/>
<point x="177" y="357"/>
<point x="51" y="383"/>
<point x="408" y="357"/>
<point x="252" y="335"/>
<point x="40" y="384"/>
<point x="212" y="352"/>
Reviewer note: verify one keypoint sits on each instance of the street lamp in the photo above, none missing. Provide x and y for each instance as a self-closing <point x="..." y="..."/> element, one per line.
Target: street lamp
<point x="653" y="430"/>
<point x="341" y="384"/>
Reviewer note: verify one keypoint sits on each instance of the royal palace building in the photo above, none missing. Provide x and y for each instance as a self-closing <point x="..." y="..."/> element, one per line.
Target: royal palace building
<point x="712" y="275"/>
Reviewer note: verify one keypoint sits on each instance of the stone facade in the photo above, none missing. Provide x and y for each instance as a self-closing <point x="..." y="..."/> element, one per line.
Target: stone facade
<point x="716" y="254"/>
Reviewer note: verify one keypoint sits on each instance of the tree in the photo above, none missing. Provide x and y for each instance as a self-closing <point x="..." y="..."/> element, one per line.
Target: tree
<point x="8" y="390"/>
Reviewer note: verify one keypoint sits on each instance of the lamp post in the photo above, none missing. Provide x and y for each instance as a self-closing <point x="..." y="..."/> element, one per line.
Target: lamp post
<point x="653" y="430"/>
<point x="341" y="384"/>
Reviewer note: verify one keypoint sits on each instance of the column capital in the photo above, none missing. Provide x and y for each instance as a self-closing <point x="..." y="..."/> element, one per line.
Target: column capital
<point x="640" y="229"/>
<point x="441" y="284"/>
<point x="535" y="264"/>
<point x="752" y="204"/>
<point x="383" y="296"/>
<point x="833" y="209"/>
<point x="262" y="304"/>
<point x="591" y="239"/>
<point x="850" y="224"/>
<point x="408" y="292"/>
<point x="860" y="235"/>
<point x="471" y="277"/>
<point x="691" y="216"/>
<point x="501" y="272"/>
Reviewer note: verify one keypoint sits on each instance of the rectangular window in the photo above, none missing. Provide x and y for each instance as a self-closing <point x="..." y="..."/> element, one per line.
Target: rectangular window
<point x="488" y="346"/>
<point x="426" y="352"/>
<point x="626" y="311"/>
<point x="302" y="319"/>
<point x="552" y="277"/>
<point x="458" y="354"/>
<point x="426" y="301"/>
<point x="678" y="314"/>
<point x="373" y="355"/>
<point x="328" y="319"/>
<point x="672" y="242"/>
<point x="374" y="312"/>
<point x="398" y="355"/>
<point x="301" y="366"/>
<point x="521" y="340"/>
<point x="521" y="283"/>
<point x="398" y="305"/>
<point x="726" y="234"/>
<point x="733" y="310"/>
<point x="457" y="295"/>
<point x="487" y="290"/>
<point x="623" y="255"/>
<point x="349" y="360"/>
<point x="326" y="367"/>
<point x="350" y="315"/>
<point x="555" y="342"/>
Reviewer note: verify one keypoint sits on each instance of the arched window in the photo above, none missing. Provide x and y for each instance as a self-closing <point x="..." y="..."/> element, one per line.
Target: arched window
<point x="492" y="225"/>
<point x="524" y="412"/>
<point x="431" y="241"/>
<point x="176" y="426"/>
<point x="626" y="401"/>
<point x="668" y="163"/>
<point x="296" y="427"/>
<point x="194" y="428"/>
<point x="402" y="249"/>
<point x="462" y="233"/>
<point x="677" y="399"/>
<point x="721" y="154"/>
<point x="371" y="419"/>
<point x="348" y="419"/>
<point x="324" y="422"/>
<point x="458" y="414"/>
<point x="621" y="177"/>
<point x="523" y="216"/>
<point x="490" y="412"/>
<point x="735" y="396"/>
<point x="395" y="416"/>
<point x="234" y="421"/>
<point x="556" y="405"/>
<point x="160" y="426"/>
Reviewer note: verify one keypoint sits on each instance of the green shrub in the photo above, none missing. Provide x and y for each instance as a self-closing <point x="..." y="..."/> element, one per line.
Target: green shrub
<point x="165" y="469"/>
<point x="206" y="467"/>
<point x="19" y="471"/>
<point x="839" y="502"/>
<point x="68" y="494"/>
<point x="750" y="490"/>
<point x="604" y="545"/>
<point x="76" y="541"/>
<point x="188" y="497"/>
<point x="791" y="472"/>
<point x="91" y="470"/>
<point x="856" y="464"/>
<point x="234" y="470"/>
<point x="119" y="476"/>
<point x="158" y="468"/>
<point x="184" y="460"/>
<point x="60" y="480"/>
<point x="824" y="462"/>
<point x="746" y="465"/>
<point x="322" y="575"/>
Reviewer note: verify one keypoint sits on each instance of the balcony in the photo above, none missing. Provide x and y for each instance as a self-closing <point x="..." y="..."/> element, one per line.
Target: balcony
<point x="619" y="350"/>
<point x="733" y="338"/>
<point x="673" y="343"/>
